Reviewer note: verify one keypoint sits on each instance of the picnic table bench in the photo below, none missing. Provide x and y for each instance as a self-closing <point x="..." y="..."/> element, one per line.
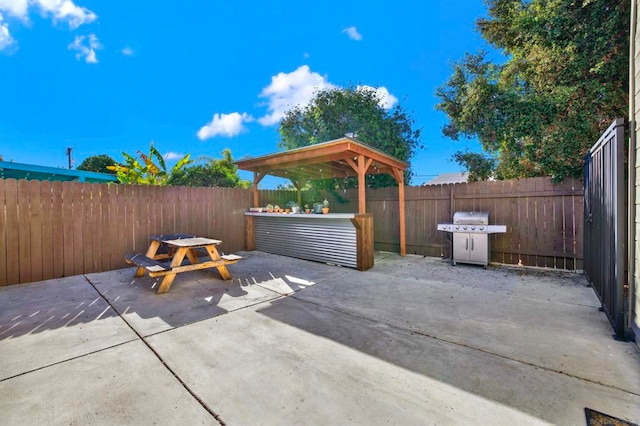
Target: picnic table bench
<point x="176" y="247"/>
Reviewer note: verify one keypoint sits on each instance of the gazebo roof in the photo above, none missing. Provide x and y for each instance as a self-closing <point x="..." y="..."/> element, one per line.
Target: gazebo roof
<point x="332" y="159"/>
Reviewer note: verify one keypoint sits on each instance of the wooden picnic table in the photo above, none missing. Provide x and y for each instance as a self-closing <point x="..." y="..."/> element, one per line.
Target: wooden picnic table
<point x="177" y="249"/>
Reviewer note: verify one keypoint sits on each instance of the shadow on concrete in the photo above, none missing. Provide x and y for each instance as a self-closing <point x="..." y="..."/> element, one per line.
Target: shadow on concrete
<point x="491" y="338"/>
<point x="48" y="305"/>
<point x="200" y="295"/>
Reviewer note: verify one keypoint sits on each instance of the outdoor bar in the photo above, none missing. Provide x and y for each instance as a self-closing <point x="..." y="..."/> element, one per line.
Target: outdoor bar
<point x="339" y="238"/>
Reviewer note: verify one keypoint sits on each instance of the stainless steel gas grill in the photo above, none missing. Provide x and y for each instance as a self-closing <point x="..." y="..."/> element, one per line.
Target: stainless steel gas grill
<point x="471" y="237"/>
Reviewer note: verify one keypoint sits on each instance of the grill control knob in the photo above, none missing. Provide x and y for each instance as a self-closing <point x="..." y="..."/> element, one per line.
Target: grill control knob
<point x="481" y="228"/>
<point x="464" y="227"/>
<point x="473" y="228"/>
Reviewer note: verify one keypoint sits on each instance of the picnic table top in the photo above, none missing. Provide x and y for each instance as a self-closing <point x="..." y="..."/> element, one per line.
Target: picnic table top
<point x="192" y="242"/>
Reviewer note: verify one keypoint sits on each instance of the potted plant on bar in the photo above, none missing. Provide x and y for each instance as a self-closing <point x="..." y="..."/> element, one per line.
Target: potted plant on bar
<point x="307" y="209"/>
<point x="269" y="208"/>
<point x="325" y="206"/>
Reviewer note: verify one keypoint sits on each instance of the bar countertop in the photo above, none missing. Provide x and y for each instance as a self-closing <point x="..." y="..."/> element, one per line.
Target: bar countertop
<point x="303" y="215"/>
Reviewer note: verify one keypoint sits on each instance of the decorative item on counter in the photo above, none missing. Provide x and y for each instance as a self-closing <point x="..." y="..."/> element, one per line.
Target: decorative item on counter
<point x="317" y="208"/>
<point x="277" y="209"/>
<point x="269" y="208"/>
<point x="307" y="209"/>
<point x="295" y="208"/>
<point x="325" y="206"/>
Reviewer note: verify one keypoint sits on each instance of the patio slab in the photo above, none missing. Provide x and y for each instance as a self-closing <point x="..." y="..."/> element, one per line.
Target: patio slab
<point x="52" y="321"/>
<point x="540" y="284"/>
<point x="291" y="362"/>
<point x="194" y="296"/>
<point x="269" y="271"/>
<point x="484" y="309"/>
<point x="411" y="341"/>
<point x="121" y="385"/>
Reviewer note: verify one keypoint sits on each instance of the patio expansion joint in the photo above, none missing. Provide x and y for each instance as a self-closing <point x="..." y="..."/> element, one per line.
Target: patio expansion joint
<point x="453" y="342"/>
<point x="142" y="339"/>
<point x="67" y="360"/>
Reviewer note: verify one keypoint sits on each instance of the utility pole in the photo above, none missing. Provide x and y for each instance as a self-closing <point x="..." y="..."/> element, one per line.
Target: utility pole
<point x="69" y="149"/>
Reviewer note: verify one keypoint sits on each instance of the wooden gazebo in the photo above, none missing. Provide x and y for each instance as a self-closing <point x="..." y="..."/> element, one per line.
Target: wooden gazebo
<point x="338" y="158"/>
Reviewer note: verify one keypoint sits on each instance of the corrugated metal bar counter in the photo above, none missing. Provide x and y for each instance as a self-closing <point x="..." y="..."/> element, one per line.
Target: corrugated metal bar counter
<point x="341" y="238"/>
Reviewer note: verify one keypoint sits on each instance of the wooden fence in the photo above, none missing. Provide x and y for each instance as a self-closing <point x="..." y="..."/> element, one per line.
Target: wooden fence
<point x="544" y="220"/>
<point x="55" y="229"/>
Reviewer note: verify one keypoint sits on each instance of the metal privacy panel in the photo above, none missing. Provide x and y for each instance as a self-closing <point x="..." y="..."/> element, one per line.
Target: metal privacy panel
<point x="605" y="223"/>
<point x="322" y="240"/>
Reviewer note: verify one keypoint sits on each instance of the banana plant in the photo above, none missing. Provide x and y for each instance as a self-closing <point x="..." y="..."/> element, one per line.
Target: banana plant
<point x="151" y="170"/>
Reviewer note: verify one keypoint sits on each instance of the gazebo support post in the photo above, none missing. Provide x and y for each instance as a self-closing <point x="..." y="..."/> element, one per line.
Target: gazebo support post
<point x="399" y="177"/>
<point x="257" y="177"/>
<point x="298" y="184"/>
<point x="249" y="225"/>
<point x="361" y="168"/>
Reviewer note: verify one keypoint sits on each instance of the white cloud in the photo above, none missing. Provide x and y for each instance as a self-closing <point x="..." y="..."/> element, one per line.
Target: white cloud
<point x="172" y="156"/>
<point x="17" y="8"/>
<point x="86" y="47"/>
<point x="353" y="33"/>
<point x="66" y="10"/>
<point x="127" y="51"/>
<point x="288" y="90"/>
<point x="224" y="124"/>
<point x="6" y="40"/>
<point x="386" y="99"/>
<point x="60" y="10"/>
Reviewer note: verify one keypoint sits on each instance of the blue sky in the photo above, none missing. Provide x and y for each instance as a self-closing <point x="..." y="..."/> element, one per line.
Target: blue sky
<point x="196" y="77"/>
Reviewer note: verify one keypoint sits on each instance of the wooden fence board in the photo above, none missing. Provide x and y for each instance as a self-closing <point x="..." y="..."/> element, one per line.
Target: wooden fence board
<point x="90" y="244"/>
<point x="3" y="235"/>
<point x="45" y="189"/>
<point x="24" y="231"/>
<point x="57" y="230"/>
<point x="12" y="239"/>
<point x="35" y="230"/>
<point x="76" y="218"/>
<point x="113" y="238"/>
<point x="100" y="198"/>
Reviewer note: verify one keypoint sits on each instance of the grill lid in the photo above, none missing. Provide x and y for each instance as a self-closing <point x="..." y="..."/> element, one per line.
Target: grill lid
<point x="471" y="218"/>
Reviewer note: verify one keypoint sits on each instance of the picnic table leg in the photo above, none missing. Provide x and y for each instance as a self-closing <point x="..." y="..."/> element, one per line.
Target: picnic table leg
<point x="151" y="252"/>
<point x="193" y="256"/>
<point x="214" y="255"/>
<point x="165" y="285"/>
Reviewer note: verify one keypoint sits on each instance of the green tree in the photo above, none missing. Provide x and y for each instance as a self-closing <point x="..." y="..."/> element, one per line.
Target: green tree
<point x="565" y="79"/>
<point x="97" y="163"/>
<point x="478" y="165"/>
<point x="214" y="173"/>
<point x="146" y="171"/>
<point x="332" y="113"/>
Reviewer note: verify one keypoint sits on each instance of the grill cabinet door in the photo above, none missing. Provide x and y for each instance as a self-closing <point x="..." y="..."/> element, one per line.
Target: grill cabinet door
<point x="461" y="246"/>
<point x="479" y="248"/>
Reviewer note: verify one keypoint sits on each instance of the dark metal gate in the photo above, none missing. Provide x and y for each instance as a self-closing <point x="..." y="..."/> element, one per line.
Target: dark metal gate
<point x="605" y="223"/>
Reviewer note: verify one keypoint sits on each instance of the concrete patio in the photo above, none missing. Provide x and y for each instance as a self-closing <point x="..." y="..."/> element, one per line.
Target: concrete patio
<point x="412" y="341"/>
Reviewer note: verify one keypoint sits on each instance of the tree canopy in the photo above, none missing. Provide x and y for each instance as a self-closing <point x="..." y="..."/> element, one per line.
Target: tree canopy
<point x="97" y="163"/>
<point x="333" y="113"/>
<point x="564" y="81"/>
<point x="214" y="173"/>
